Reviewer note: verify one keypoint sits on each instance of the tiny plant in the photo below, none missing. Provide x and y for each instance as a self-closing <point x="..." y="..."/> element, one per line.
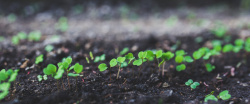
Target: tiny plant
<point x="209" y="67"/>
<point x="49" y="48"/>
<point x="124" y="51"/>
<point x="120" y="60"/>
<point x="39" y="59"/>
<point x="227" y="48"/>
<point x="224" y="95"/>
<point x="99" y="58"/>
<point x="102" y="67"/>
<point x="22" y="35"/>
<point x="34" y="36"/>
<point x="91" y="55"/>
<point x="192" y="84"/>
<point x="130" y="57"/>
<point x="62" y="24"/>
<point x="40" y="77"/>
<point x="220" y="31"/>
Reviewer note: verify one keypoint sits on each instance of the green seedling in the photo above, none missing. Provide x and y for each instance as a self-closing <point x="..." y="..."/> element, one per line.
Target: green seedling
<point x="150" y="55"/>
<point x="158" y="54"/>
<point x="35" y="36"/>
<point x="165" y="57"/>
<point x="209" y="67"/>
<point x="179" y="59"/>
<point x="181" y="67"/>
<point x="62" y="24"/>
<point x="87" y="59"/>
<point x="180" y="53"/>
<point x="197" y="55"/>
<point x="49" y="48"/>
<point x="210" y="97"/>
<point x="22" y="35"/>
<point x="39" y="59"/>
<point x="4" y="90"/>
<point x="11" y="18"/>
<point x="102" y="67"/>
<point x="113" y="62"/>
<point x="65" y="66"/>
<point x="40" y="77"/>
<point x="137" y="62"/>
<point x="220" y="31"/>
<point x="124" y="64"/>
<point x="192" y="84"/>
<point x="188" y="59"/>
<point x="99" y="58"/>
<point x="56" y="74"/>
<point x="91" y="55"/>
<point x="15" y="40"/>
<point x="239" y="42"/>
<point x="124" y="51"/>
<point x="78" y="69"/>
<point x="224" y="95"/>
<point x="130" y="57"/>
<point x="120" y="60"/>
<point x="227" y="48"/>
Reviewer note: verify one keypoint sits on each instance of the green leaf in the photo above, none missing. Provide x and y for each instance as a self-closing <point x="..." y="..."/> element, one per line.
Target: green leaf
<point x="227" y="48"/>
<point x="137" y="62"/>
<point x="209" y="67"/>
<point x="181" y="67"/>
<point x="193" y="86"/>
<point x="179" y="59"/>
<point x="239" y="42"/>
<point x="189" y="82"/>
<point x="39" y="59"/>
<point x="158" y="54"/>
<point x="13" y="76"/>
<point x="15" y="40"/>
<point x="91" y="55"/>
<point x="3" y="76"/>
<point x="50" y="70"/>
<point x="197" y="55"/>
<point x="4" y="90"/>
<point x="196" y="83"/>
<point x="102" y="67"/>
<point x="22" y="35"/>
<point x="180" y="53"/>
<point x="73" y="75"/>
<point x="216" y="43"/>
<point x="237" y="49"/>
<point x="167" y="56"/>
<point x="210" y="97"/>
<point x="188" y="59"/>
<point x="59" y="73"/>
<point x="102" y="57"/>
<point x="45" y="77"/>
<point x="130" y="57"/>
<point x="97" y="59"/>
<point x="49" y="48"/>
<point x="68" y="60"/>
<point x="124" y="64"/>
<point x="124" y="51"/>
<point x="78" y="68"/>
<point x="207" y="56"/>
<point x="217" y="48"/>
<point x="220" y="31"/>
<point x="150" y="55"/>
<point x="113" y="62"/>
<point x="224" y="95"/>
<point x="40" y="78"/>
<point x="121" y="59"/>
<point x="142" y="55"/>
<point x="34" y="36"/>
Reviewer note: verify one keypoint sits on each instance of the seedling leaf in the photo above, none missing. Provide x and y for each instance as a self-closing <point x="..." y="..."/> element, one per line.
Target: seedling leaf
<point x="113" y="62"/>
<point x="181" y="67"/>
<point x="102" y="67"/>
<point x="124" y="51"/>
<point x="78" y="68"/>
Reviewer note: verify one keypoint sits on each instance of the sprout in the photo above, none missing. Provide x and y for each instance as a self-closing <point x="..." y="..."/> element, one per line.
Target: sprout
<point x="137" y="62"/>
<point x="62" y="24"/>
<point x="22" y="35"/>
<point x="188" y="59"/>
<point x="179" y="59"/>
<point x="239" y="42"/>
<point x="99" y="58"/>
<point x="192" y="84"/>
<point x="50" y="70"/>
<point x="49" y="48"/>
<point x="220" y="31"/>
<point x="181" y="67"/>
<point x="227" y="48"/>
<point x="197" y="55"/>
<point x="124" y="51"/>
<point x="91" y="55"/>
<point x="210" y="97"/>
<point x="120" y="60"/>
<point x="124" y="64"/>
<point x="224" y="95"/>
<point x="150" y="55"/>
<point x="11" y="17"/>
<point x="40" y="77"/>
<point x="158" y="54"/>
<point x="165" y="57"/>
<point x="4" y="90"/>
<point x="102" y="67"/>
<point x="78" y="68"/>
<point x="39" y="59"/>
<point x="113" y="62"/>
<point x="130" y="57"/>
<point x="15" y="40"/>
<point x="34" y="36"/>
<point x="180" y="53"/>
<point x="87" y="59"/>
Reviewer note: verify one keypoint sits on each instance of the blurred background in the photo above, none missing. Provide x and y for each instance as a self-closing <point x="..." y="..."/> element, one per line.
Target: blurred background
<point x="121" y="19"/>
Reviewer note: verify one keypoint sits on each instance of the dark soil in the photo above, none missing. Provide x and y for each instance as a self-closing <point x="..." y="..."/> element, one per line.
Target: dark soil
<point x="131" y="87"/>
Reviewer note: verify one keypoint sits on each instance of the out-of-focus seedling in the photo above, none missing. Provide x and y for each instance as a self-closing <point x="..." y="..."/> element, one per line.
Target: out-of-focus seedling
<point x="49" y="48"/>
<point x="192" y="84"/>
<point x="209" y="67"/>
<point x="124" y="51"/>
<point x="39" y="59"/>
<point x="40" y="77"/>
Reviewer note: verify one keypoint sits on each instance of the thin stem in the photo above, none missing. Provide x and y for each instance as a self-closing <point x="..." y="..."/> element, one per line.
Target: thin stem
<point x="68" y="79"/>
<point x="158" y="65"/>
<point x="57" y="83"/>
<point x="119" y="71"/>
<point x="163" y="69"/>
<point x="63" y="84"/>
<point x="140" y="68"/>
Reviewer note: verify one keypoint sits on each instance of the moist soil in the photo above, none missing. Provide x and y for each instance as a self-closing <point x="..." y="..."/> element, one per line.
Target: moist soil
<point x="133" y="85"/>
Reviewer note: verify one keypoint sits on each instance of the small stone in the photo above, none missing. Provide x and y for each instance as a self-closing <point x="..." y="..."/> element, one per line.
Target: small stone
<point x="134" y="48"/>
<point x="165" y="84"/>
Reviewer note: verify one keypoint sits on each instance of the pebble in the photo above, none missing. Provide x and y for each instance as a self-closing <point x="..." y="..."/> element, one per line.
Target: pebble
<point x="165" y="84"/>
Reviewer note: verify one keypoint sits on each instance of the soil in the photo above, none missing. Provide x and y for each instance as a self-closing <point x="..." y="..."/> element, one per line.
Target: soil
<point x="131" y="87"/>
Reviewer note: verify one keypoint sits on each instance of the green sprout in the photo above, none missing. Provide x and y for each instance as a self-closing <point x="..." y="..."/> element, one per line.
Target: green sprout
<point x="15" y="40"/>
<point x="150" y="55"/>
<point x="49" y="48"/>
<point x="188" y="59"/>
<point x="39" y="59"/>
<point x="220" y="31"/>
<point x="181" y="67"/>
<point x="91" y="55"/>
<point x="165" y="57"/>
<point x="179" y="59"/>
<point x="113" y="62"/>
<point x="87" y="59"/>
<point x="40" y="77"/>
<point x="124" y="51"/>
<point x="65" y="66"/>
<point x="34" y="36"/>
<point x="102" y="67"/>
<point x="78" y="69"/>
<point x="210" y="97"/>
<point x="129" y="57"/>
<point x="247" y="45"/>
<point x="197" y="55"/>
<point x="209" y="67"/>
<point x="4" y="90"/>
<point x="227" y="48"/>
<point x="224" y="95"/>
<point x="22" y="35"/>
<point x="120" y="60"/>
<point x="62" y="24"/>
<point x="50" y="70"/>
<point x="99" y="58"/>
<point x="158" y="54"/>
<point x="192" y="84"/>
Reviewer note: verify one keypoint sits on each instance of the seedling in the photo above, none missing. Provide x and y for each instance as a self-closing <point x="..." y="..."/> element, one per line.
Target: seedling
<point x="65" y="65"/>
<point x="227" y="48"/>
<point x="87" y="59"/>
<point x="165" y="57"/>
<point x="15" y="40"/>
<point x="39" y="59"/>
<point x="40" y="77"/>
<point x="188" y="59"/>
<point x="91" y="55"/>
<point x="34" y="36"/>
<point x="4" y="90"/>
<point x="11" y="17"/>
<point x="130" y="57"/>
<point x="52" y="70"/>
<point x="192" y="84"/>
<point x="102" y="67"/>
<point x="210" y="67"/>
<point x="220" y="31"/>
<point x="150" y="55"/>
<point x="120" y="60"/>
<point x="22" y="35"/>
<point x="224" y="95"/>
<point x="181" y="67"/>
<point x="179" y="59"/>
<point x="210" y="97"/>
<point x="62" y="24"/>
<point x="158" y="55"/>
<point x="124" y="51"/>
<point x="78" y="69"/>
<point x="99" y="58"/>
<point x="49" y="48"/>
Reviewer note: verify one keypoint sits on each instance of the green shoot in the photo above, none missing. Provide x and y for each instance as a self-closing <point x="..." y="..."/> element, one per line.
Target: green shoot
<point x="40" y="77"/>
<point x="91" y="55"/>
<point x="220" y="31"/>
<point x="15" y="40"/>
<point x="49" y="48"/>
<point x="113" y="62"/>
<point x="188" y="59"/>
<point x="99" y="58"/>
<point x="181" y="67"/>
<point x="227" y="48"/>
<point x="124" y="51"/>
<point x="11" y="18"/>
<point x="130" y="57"/>
<point x="120" y="60"/>
<point x="102" y="67"/>
<point x="62" y="24"/>
<point x="137" y="62"/>
<point x="39" y="59"/>
<point x="192" y="84"/>
<point x="210" y="97"/>
<point x="22" y="35"/>
<point x="87" y="59"/>
<point x="158" y="54"/>
<point x="224" y="95"/>
<point x="4" y="90"/>
<point x="78" y="68"/>
<point x="34" y="36"/>
<point x="179" y="59"/>
<point x="50" y="70"/>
